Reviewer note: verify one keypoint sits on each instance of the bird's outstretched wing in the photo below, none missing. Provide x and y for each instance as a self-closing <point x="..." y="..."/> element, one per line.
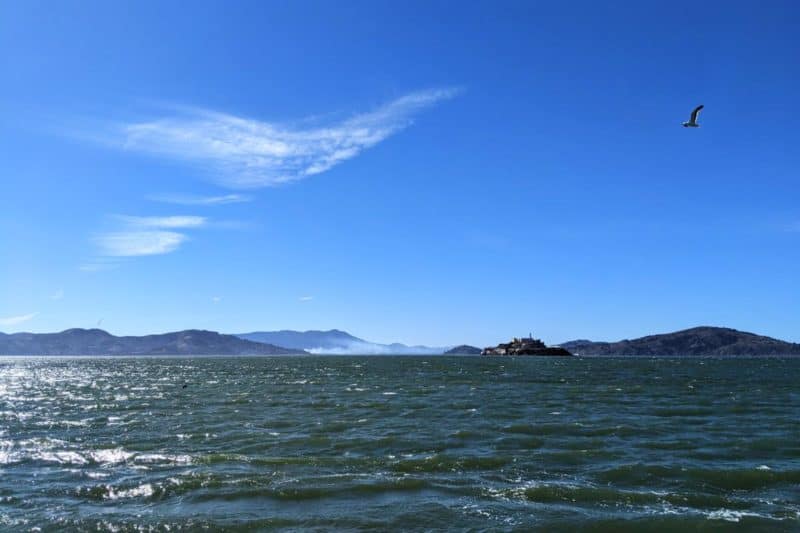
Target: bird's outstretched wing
<point x="695" y="113"/>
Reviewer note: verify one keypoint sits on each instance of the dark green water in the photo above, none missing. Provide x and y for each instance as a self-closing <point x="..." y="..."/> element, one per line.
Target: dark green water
<point x="400" y="443"/>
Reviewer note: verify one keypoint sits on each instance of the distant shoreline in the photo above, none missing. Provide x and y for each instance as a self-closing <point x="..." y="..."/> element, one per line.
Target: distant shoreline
<point x="394" y="356"/>
<point x="702" y="341"/>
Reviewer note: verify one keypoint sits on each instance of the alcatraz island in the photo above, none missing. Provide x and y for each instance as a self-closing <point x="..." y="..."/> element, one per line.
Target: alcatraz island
<point x="525" y="346"/>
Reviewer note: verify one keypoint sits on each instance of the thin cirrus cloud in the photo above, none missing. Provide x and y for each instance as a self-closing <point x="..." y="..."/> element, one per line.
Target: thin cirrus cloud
<point x="14" y="320"/>
<point x="164" y="222"/>
<point x="135" y="243"/>
<point x="146" y="236"/>
<point x="188" y="199"/>
<point x="249" y="153"/>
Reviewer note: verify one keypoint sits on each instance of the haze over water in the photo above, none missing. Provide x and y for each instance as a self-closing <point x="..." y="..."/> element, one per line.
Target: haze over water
<point x="399" y="443"/>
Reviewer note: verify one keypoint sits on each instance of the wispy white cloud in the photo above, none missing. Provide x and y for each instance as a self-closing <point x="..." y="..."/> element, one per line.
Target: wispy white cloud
<point x="306" y="298"/>
<point x="216" y="299"/>
<point x="58" y="295"/>
<point x="14" y="320"/>
<point x="134" y="243"/>
<point x="252" y="153"/>
<point x="143" y="236"/>
<point x="172" y="222"/>
<point x="188" y="199"/>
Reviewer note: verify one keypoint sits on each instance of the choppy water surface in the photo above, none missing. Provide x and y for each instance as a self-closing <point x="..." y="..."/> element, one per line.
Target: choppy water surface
<point x="399" y="443"/>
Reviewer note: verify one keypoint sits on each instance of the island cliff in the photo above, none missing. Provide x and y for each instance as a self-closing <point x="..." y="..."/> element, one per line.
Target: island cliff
<point x="529" y="346"/>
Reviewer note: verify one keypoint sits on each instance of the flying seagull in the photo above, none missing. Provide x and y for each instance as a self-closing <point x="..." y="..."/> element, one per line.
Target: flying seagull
<point x="692" y="123"/>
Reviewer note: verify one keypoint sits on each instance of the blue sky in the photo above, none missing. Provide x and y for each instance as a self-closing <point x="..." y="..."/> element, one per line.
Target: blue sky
<point x="433" y="172"/>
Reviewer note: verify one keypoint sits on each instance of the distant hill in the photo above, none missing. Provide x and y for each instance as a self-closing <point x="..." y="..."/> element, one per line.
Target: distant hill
<point x="464" y="349"/>
<point x="690" y="342"/>
<point x="335" y="342"/>
<point x="99" y="342"/>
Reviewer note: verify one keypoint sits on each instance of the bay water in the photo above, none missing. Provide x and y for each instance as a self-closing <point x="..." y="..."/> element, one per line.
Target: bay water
<point x="399" y="443"/>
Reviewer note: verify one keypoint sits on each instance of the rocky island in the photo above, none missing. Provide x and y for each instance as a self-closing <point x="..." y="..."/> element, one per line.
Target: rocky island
<point x="529" y="346"/>
<point x="464" y="349"/>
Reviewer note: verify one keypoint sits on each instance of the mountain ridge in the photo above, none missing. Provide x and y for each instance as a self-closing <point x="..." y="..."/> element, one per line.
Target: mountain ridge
<point x="697" y="341"/>
<point x="78" y="341"/>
